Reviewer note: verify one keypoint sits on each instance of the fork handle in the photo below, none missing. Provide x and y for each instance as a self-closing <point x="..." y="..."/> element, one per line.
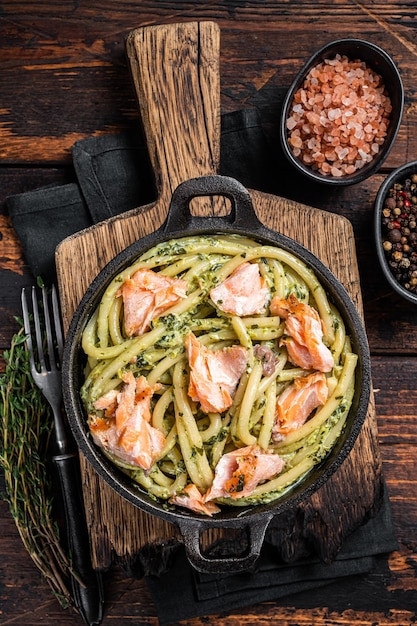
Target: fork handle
<point x="88" y="595"/>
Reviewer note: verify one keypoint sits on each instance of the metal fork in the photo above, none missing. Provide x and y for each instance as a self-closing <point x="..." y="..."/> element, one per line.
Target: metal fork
<point x="44" y="340"/>
<point x="48" y="379"/>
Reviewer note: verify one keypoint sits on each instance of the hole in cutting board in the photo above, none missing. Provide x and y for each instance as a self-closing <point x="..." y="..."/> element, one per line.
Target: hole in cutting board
<point x="210" y="205"/>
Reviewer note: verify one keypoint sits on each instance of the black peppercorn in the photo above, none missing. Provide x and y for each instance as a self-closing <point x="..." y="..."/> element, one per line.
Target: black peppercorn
<point x="394" y="235"/>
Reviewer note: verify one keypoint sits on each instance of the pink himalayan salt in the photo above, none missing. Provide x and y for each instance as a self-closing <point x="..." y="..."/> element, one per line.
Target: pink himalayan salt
<point x="341" y="104"/>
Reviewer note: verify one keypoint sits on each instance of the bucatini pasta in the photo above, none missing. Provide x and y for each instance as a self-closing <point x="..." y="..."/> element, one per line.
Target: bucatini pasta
<point x="218" y="373"/>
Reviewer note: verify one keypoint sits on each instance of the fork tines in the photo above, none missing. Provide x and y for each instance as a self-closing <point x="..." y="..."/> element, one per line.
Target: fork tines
<point x="47" y="327"/>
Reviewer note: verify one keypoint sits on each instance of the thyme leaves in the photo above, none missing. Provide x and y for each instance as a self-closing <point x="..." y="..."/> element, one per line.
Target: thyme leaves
<point x="25" y="428"/>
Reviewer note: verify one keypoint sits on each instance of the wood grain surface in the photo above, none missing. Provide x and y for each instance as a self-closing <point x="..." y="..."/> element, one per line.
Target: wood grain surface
<point x="176" y="74"/>
<point x="65" y="76"/>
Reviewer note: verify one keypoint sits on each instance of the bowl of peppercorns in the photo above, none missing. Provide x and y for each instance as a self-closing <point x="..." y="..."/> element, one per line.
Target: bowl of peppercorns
<point x="396" y="230"/>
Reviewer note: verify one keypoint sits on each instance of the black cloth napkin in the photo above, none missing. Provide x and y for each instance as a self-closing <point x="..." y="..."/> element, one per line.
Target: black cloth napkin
<point x="112" y="175"/>
<point x="182" y="593"/>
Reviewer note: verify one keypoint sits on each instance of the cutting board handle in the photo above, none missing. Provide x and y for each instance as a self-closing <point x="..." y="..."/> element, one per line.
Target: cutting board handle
<point x="175" y="71"/>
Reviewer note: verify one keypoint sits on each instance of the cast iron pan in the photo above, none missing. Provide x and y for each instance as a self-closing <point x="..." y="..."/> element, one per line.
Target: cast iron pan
<point x="179" y="223"/>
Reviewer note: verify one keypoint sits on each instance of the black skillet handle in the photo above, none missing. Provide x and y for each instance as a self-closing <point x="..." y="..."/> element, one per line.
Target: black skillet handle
<point x="191" y="530"/>
<point x="242" y="214"/>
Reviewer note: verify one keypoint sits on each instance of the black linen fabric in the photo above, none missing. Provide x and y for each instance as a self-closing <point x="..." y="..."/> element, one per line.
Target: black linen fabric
<point x="113" y="173"/>
<point x="182" y="593"/>
<point x="113" y="176"/>
<point x="42" y="219"/>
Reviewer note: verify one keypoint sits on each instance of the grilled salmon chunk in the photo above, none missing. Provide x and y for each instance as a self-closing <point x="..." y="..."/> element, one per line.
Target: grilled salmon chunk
<point x="146" y="296"/>
<point x="125" y="429"/>
<point x="191" y="498"/>
<point x="214" y="374"/>
<point x="244" y="292"/>
<point x="240" y="471"/>
<point x="303" y="335"/>
<point x="297" y="402"/>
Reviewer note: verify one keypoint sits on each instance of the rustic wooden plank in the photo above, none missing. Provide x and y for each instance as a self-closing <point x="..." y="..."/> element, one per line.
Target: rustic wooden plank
<point x="77" y="47"/>
<point x="15" y="180"/>
<point x="396" y="398"/>
<point x="53" y="52"/>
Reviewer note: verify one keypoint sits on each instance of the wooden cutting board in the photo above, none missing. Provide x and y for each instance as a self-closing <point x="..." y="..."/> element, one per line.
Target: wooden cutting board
<point x="175" y="69"/>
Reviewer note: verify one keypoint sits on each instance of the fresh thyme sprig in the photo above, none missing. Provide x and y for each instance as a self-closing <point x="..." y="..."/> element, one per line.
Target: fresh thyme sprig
<point x="26" y="424"/>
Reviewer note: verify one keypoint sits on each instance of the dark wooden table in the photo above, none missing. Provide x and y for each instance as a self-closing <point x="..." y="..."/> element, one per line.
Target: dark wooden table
<point x="63" y="77"/>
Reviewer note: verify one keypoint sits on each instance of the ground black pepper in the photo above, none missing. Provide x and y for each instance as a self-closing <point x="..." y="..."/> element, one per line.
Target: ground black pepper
<point x="399" y="232"/>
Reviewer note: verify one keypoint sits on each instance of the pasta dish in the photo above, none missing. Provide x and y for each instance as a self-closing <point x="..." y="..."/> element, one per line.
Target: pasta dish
<point x="218" y="372"/>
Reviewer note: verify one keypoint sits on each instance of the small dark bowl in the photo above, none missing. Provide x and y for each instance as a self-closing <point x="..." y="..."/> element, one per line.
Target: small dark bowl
<point x="398" y="175"/>
<point x="379" y="61"/>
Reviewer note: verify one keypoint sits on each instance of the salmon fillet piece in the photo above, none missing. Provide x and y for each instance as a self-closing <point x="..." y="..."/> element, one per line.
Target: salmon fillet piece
<point x="214" y="374"/>
<point x="244" y="292"/>
<point x="238" y="473"/>
<point x="146" y="295"/>
<point x="125" y="429"/>
<point x="303" y="334"/>
<point x="191" y="498"/>
<point x="296" y="403"/>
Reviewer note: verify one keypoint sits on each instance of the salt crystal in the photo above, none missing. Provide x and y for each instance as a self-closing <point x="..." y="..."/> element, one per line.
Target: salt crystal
<point x="359" y="134"/>
<point x="330" y="155"/>
<point x="327" y="100"/>
<point x="291" y="123"/>
<point x="296" y="141"/>
<point x="313" y="118"/>
<point x="341" y="152"/>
